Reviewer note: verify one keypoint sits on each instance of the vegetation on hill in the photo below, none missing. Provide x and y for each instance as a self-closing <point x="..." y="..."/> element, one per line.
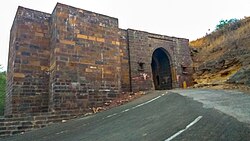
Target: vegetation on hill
<point x="226" y="23"/>
<point x="223" y="56"/>
<point x="2" y="90"/>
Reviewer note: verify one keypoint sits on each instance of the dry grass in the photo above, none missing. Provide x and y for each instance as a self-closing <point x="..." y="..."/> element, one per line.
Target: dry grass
<point x="219" y="45"/>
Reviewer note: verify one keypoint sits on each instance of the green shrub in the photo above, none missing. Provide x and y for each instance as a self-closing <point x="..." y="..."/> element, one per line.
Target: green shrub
<point x="231" y="24"/>
<point x="2" y="90"/>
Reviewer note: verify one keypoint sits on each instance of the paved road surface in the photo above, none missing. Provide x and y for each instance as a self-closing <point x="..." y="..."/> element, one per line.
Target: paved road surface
<point x="191" y="115"/>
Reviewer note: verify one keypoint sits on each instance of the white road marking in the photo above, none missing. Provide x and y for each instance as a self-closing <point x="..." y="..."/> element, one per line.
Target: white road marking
<point x="151" y="100"/>
<point x="138" y="106"/>
<point x="125" y="110"/>
<point x="188" y="126"/>
<point x="146" y="102"/>
<point x="134" y="107"/>
<point x="61" y="132"/>
<point x="112" y="115"/>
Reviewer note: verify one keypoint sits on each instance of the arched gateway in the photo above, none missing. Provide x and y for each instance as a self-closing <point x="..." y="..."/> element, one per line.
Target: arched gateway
<point x="161" y="69"/>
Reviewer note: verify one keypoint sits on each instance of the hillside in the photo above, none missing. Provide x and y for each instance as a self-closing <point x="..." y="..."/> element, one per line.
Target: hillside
<point x="223" y="57"/>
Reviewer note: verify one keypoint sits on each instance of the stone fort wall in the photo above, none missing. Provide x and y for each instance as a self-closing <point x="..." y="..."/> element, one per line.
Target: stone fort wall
<point x="71" y="60"/>
<point x="29" y="56"/>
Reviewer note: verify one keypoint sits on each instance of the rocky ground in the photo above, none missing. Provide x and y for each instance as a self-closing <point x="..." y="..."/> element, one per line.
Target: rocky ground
<point x="222" y="58"/>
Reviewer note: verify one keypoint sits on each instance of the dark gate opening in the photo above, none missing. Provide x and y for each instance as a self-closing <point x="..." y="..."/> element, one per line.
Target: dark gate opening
<point x="161" y="70"/>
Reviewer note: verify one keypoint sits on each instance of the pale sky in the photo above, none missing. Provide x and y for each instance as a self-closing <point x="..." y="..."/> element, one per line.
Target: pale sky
<point x="189" y="19"/>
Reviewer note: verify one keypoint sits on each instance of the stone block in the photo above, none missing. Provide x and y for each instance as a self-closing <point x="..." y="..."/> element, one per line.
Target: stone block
<point x="39" y="34"/>
<point x="68" y="42"/>
<point x="19" y="75"/>
<point x="81" y="36"/>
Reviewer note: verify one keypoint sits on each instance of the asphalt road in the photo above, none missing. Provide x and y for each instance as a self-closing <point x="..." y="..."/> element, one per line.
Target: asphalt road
<point x="191" y="115"/>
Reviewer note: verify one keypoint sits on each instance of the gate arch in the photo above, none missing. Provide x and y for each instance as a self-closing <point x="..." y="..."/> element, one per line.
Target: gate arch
<point x="161" y="69"/>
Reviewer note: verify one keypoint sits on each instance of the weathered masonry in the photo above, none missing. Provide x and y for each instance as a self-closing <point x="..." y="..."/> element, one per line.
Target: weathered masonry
<point x="72" y="59"/>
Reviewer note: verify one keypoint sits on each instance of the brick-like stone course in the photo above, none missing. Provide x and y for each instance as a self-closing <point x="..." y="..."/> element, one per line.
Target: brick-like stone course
<point x="17" y="125"/>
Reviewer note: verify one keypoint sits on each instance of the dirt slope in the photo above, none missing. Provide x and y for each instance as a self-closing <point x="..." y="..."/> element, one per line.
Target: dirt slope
<point x="223" y="57"/>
